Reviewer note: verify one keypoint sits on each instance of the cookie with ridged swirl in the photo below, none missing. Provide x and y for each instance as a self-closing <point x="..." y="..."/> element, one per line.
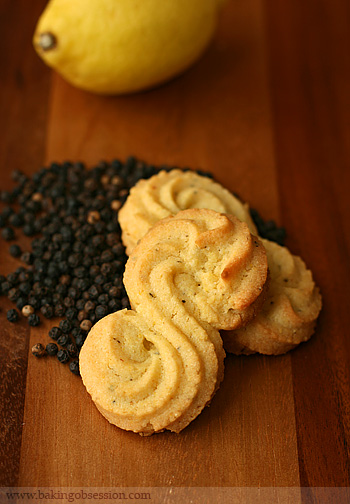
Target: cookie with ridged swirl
<point x="289" y="313"/>
<point x="158" y="365"/>
<point x="166" y="193"/>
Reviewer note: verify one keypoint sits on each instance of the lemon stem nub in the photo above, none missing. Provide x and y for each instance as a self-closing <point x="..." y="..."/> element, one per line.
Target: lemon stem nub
<point x="47" y="41"/>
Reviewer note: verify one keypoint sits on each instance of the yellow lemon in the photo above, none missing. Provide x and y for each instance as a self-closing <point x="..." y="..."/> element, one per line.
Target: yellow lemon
<point x="123" y="46"/>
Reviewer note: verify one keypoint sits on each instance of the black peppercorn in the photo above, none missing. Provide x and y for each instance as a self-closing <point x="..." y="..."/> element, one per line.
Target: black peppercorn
<point x="85" y="296"/>
<point x="25" y="276"/>
<point x="46" y="300"/>
<point x="100" y="280"/>
<point x="8" y="233"/>
<point x="107" y="269"/>
<point x="71" y="313"/>
<point x="75" y="283"/>
<point x="55" y="332"/>
<point x="86" y="325"/>
<point x="80" y="339"/>
<point x="82" y="315"/>
<point x="112" y="239"/>
<point x="27" y="258"/>
<point x="125" y="302"/>
<point x="49" y="281"/>
<point x="114" y="305"/>
<point x="74" y="367"/>
<point x="73" y="292"/>
<point x="17" y="175"/>
<point x="34" y="301"/>
<point x="40" y="266"/>
<point x="28" y="230"/>
<point x="63" y="340"/>
<point x="118" y="250"/>
<point x="89" y="306"/>
<point x="72" y="349"/>
<point x="115" y="292"/>
<point x="47" y="311"/>
<point x="65" y="280"/>
<point x="107" y="286"/>
<point x="25" y="288"/>
<point x="16" y="220"/>
<point x="68" y="302"/>
<point x="63" y="267"/>
<point x="21" y="301"/>
<point x="94" y="270"/>
<point x="63" y="356"/>
<point x="74" y="260"/>
<point x="80" y="272"/>
<point x="83" y="284"/>
<point x="80" y="303"/>
<point x="118" y="266"/>
<point x="13" y="294"/>
<point x="65" y="326"/>
<point x="94" y="291"/>
<point x="15" y="251"/>
<point x="3" y="221"/>
<point x="61" y="289"/>
<point x="7" y="211"/>
<point x="52" y="272"/>
<point x="101" y="311"/>
<point x="103" y="299"/>
<point x="97" y="241"/>
<point x="33" y="320"/>
<point x="107" y="256"/>
<point x="5" y="287"/>
<point x="38" y="350"/>
<point x="51" y="349"/>
<point x="12" y="315"/>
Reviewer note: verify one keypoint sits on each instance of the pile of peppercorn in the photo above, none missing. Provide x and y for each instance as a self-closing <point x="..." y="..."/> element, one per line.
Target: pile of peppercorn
<point x="76" y="260"/>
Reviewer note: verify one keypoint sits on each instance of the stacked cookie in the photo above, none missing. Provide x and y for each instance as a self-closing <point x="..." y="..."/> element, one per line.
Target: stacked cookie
<point x="158" y="365"/>
<point x="293" y="303"/>
<point x="195" y="267"/>
<point x="166" y="194"/>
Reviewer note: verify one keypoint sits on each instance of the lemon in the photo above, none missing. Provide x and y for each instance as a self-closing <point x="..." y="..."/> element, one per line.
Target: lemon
<point x="123" y="46"/>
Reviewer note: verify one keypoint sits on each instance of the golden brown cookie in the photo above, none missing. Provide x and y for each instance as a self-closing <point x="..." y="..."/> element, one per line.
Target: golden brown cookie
<point x="289" y="313"/>
<point x="158" y="365"/>
<point x="166" y="194"/>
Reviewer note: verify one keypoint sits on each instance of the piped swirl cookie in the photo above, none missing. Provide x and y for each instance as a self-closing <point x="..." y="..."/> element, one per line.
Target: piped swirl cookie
<point x="289" y="313"/>
<point x="158" y="365"/>
<point x="166" y="194"/>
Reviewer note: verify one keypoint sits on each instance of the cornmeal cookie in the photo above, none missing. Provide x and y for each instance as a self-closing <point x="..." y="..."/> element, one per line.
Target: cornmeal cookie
<point x="158" y="365"/>
<point x="288" y="316"/>
<point x="289" y="313"/>
<point x="166" y="194"/>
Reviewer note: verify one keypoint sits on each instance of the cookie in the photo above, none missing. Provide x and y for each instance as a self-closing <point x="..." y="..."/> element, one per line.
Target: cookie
<point x="166" y="194"/>
<point x="289" y="313"/>
<point x="158" y="365"/>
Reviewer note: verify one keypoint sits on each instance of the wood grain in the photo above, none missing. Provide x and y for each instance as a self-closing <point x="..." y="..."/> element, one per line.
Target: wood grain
<point x="23" y="104"/>
<point x="186" y="122"/>
<point x="310" y="81"/>
<point x="215" y="117"/>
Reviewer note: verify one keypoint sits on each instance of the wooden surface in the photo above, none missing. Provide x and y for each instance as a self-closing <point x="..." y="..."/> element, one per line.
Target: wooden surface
<point x="267" y="110"/>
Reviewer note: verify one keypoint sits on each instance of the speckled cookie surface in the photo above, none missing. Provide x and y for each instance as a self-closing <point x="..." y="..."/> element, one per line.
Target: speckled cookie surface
<point x="166" y="194"/>
<point x="158" y="365"/>
<point x="289" y="313"/>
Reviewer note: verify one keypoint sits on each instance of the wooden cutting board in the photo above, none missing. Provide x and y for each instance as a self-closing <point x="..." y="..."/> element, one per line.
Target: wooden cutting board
<point x="242" y="112"/>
